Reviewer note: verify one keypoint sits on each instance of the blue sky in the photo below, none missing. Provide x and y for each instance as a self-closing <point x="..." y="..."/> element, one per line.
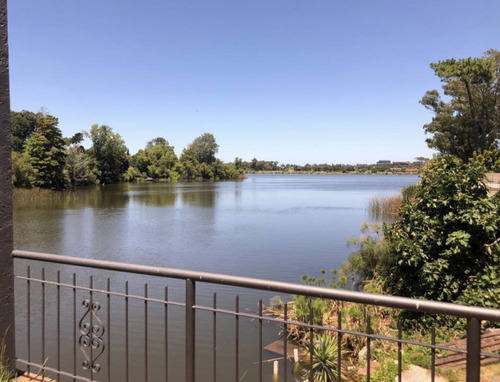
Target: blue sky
<point x="296" y="81"/>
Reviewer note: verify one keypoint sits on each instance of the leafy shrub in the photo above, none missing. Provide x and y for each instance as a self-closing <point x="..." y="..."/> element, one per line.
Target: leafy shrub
<point x="445" y="246"/>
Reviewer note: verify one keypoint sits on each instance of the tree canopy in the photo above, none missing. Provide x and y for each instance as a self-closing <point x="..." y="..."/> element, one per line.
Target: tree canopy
<point x="23" y="124"/>
<point x="44" y="150"/>
<point x="470" y="121"/>
<point x="204" y="148"/>
<point x="109" y="152"/>
<point x="157" y="160"/>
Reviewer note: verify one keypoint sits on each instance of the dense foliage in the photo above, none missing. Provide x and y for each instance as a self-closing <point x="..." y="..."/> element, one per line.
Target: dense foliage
<point x="38" y="151"/>
<point x="41" y="157"/>
<point x="445" y="246"/>
<point x="110" y="154"/>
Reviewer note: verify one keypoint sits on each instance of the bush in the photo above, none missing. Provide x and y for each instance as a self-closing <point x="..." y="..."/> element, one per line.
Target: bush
<point x="445" y="245"/>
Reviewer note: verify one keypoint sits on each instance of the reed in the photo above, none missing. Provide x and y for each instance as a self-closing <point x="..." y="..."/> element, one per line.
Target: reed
<point x="387" y="207"/>
<point x="383" y="207"/>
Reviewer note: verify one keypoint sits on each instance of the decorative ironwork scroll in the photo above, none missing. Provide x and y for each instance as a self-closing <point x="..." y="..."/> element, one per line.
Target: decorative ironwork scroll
<point x="92" y="330"/>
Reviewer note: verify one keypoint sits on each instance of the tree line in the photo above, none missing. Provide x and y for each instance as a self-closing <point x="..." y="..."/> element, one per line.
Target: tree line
<point x="42" y="157"/>
<point x="256" y="165"/>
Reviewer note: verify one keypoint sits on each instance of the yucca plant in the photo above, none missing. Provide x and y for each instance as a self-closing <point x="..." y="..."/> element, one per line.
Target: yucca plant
<point x="324" y="360"/>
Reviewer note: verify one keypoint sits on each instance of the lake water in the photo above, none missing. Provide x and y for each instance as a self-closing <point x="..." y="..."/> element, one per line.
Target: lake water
<point x="267" y="226"/>
<point x="275" y="227"/>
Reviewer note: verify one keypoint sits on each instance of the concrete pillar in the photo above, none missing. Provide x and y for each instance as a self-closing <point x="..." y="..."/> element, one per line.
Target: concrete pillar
<point x="6" y="234"/>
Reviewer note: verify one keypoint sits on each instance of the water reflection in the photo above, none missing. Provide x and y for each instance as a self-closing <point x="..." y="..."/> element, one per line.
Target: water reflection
<point x="202" y="196"/>
<point x="268" y="226"/>
<point x="152" y="194"/>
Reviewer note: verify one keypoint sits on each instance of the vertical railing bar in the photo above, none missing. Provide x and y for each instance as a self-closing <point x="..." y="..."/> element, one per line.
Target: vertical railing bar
<point x="400" y="351"/>
<point x="58" y="325"/>
<point x="285" y="342"/>
<point x="214" y="339"/>
<point x="146" y="332"/>
<point x="433" y="353"/>
<point x="43" y="322"/>
<point x="28" y="296"/>
<point x="339" y="345"/>
<point x="127" y="370"/>
<point x="473" y="350"/>
<point x="237" y="344"/>
<point x="91" y="292"/>
<point x="368" y="348"/>
<point x="166" y="333"/>
<point x="190" y="330"/>
<point x="260" y="341"/>
<point x="108" y="304"/>
<point x="74" y="327"/>
<point x="311" y="343"/>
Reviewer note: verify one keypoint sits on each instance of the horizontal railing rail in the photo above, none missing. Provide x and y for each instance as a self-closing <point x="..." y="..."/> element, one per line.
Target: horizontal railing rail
<point x="91" y="334"/>
<point x="424" y="306"/>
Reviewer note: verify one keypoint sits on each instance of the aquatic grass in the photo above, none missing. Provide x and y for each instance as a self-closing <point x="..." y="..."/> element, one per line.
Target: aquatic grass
<point x="384" y="207"/>
<point x="43" y="198"/>
<point x="387" y="207"/>
<point x="29" y="194"/>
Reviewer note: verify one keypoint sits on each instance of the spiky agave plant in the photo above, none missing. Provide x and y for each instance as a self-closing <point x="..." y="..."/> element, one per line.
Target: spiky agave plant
<point x="324" y="360"/>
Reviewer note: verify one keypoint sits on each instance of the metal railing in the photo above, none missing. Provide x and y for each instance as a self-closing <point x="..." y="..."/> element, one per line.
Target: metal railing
<point x="203" y="323"/>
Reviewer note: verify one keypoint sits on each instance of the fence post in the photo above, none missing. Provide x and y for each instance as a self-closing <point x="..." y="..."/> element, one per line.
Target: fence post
<point x="190" y="330"/>
<point x="473" y="350"/>
<point x="6" y="234"/>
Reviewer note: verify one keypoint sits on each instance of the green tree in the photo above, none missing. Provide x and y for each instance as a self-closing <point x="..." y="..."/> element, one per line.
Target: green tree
<point x="190" y="167"/>
<point x="23" y="173"/>
<point x="109" y="153"/>
<point x="157" y="160"/>
<point x="23" y="125"/>
<point x="204" y="148"/>
<point x="445" y="246"/>
<point x="45" y="148"/>
<point x="470" y="121"/>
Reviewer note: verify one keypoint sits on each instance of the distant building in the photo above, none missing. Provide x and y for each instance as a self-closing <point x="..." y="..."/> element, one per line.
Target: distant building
<point x="383" y="161"/>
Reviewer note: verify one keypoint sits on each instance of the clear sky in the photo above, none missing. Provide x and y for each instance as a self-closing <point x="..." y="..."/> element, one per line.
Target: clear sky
<point x="296" y="81"/>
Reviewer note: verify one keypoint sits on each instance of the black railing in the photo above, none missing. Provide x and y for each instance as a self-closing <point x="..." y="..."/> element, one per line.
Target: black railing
<point x="78" y="320"/>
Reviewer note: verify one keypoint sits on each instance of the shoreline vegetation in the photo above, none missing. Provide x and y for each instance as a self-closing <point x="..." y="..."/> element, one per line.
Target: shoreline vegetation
<point x="433" y="234"/>
<point x="440" y="239"/>
<point x="43" y="158"/>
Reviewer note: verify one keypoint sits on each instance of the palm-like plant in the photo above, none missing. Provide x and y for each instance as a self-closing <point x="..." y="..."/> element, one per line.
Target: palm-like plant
<point x="324" y="360"/>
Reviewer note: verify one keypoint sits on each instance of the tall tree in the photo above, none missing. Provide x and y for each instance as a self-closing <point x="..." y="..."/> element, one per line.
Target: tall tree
<point x="470" y="121"/>
<point x="204" y="148"/>
<point x="109" y="152"/>
<point x="45" y="148"/>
